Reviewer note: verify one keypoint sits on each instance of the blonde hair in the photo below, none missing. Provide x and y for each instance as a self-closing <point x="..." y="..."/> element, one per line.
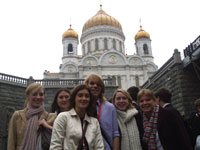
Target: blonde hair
<point x="99" y="82"/>
<point x="124" y="92"/>
<point x="32" y="89"/>
<point x="197" y="103"/>
<point x="146" y="92"/>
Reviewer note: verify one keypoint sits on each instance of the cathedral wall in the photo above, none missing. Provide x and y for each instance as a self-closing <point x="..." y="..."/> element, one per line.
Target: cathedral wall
<point x="68" y="59"/>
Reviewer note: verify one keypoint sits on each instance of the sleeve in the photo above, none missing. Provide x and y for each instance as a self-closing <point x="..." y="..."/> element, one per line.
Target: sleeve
<point x="114" y="123"/>
<point x="179" y="130"/>
<point x="58" y="133"/>
<point x="51" y="118"/>
<point x="98" y="145"/>
<point x="12" y="132"/>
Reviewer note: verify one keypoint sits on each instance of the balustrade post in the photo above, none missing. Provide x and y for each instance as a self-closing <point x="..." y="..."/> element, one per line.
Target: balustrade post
<point x="30" y="80"/>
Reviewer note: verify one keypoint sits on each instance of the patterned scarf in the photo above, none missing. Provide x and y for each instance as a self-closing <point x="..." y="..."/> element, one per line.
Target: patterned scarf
<point x="30" y="135"/>
<point x="150" y="128"/>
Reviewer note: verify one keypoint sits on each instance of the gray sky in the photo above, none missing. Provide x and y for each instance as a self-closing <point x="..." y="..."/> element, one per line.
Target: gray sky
<point x="31" y="30"/>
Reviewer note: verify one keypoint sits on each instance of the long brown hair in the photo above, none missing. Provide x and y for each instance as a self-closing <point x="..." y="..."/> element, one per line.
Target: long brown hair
<point x="91" y="109"/>
<point x="54" y="105"/>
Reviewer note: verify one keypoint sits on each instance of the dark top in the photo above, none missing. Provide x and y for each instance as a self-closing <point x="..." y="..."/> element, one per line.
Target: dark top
<point x="194" y="122"/>
<point x="171" y="131"/>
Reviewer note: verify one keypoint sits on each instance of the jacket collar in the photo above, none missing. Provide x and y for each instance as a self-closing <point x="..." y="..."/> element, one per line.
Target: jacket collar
<point x="72" y="112"/>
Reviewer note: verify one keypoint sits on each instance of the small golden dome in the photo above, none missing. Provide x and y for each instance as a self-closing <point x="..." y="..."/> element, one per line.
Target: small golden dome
<point x="101" y="18"/>
<point x="141" y="34"/>
<point x="70" y="33"/>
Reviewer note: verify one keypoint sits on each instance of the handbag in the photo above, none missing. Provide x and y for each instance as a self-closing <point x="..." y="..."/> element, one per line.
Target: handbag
<point x="45" y="136"/>
<point x="83" y="139"/>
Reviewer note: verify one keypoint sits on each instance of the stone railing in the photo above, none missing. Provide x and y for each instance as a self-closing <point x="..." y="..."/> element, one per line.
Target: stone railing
<point x="5" y="78"/>
<point x="13" y="79"/>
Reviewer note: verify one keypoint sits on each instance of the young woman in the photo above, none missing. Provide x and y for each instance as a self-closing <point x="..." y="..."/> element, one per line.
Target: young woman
<point x="129" y="121"/>
<point x="61" y="101"/>
<point x="24" y="124"/>
<point x="163" y="128"/>
<point x="68" y="129"/>
<point x="106" y="113"/>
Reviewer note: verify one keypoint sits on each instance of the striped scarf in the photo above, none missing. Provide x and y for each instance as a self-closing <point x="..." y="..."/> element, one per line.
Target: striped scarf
<point x="30" y="135"/>
<point x="150" y="128"/>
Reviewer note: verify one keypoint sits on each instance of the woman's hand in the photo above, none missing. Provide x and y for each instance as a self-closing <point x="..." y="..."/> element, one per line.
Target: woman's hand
<point x="44" y="123"/>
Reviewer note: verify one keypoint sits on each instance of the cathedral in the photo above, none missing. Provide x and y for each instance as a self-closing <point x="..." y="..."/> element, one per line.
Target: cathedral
<point x="103" y="52"/>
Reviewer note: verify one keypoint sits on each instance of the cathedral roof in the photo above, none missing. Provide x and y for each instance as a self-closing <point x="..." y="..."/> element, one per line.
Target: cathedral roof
<point x="70" y="33"/>
<point x="142" y="34"/>
<point x="101" y="18"/>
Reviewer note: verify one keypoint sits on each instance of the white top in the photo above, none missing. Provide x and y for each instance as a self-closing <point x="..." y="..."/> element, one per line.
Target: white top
<point x="67" y="131"/>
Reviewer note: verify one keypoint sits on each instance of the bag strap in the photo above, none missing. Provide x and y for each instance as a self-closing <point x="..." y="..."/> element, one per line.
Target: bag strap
<point x="83" y="136"/>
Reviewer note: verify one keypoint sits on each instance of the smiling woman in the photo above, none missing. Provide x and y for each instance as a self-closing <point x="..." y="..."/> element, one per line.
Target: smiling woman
<point x="61" y="101"/>
<point x="129" y="121"/>
<point x="77" y="128"/>
<point x="163" y="128"/>
<point x="23" y="126"/>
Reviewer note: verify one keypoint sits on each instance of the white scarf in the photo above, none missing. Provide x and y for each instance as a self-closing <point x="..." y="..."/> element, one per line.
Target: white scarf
<point x="130" y="138"/>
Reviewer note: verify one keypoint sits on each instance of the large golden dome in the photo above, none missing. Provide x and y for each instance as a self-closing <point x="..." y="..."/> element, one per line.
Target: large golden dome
<point x="101" y="18"/>
<point x="70" y="33"/>
<point x="142" y="34"/>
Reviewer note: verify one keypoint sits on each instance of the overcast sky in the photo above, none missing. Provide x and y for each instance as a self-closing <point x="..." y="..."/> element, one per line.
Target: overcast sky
<point x="31" y="30"/>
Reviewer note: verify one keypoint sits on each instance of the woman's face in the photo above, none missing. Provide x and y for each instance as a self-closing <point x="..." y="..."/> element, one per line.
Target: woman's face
<point x="146" y="104"/>
<point x="36" y="99"/>
<point x="63" y="100"/>
<point x="82" y="99"/>
<point x="95" y="88"/>
<point x="121" y="101"/>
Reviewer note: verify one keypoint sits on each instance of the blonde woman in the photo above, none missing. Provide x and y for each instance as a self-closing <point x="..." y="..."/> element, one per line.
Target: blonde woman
<point x="24" y="124"/>
<point x="106" y="113"/>
<point x="129" y="121"/>
<point x="163" y="128"/>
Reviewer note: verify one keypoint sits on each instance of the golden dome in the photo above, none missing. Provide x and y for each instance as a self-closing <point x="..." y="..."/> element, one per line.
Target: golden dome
<point x="141" y="34"/>
<point x="101" y="18"/>
<point x="70" y="33"/>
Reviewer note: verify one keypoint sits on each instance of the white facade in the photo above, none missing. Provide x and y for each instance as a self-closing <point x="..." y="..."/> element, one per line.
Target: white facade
<point x="103" y="53"/>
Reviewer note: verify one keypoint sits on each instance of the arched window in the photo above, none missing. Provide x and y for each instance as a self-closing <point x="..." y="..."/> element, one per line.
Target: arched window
<point x="114" y="44"/>
<point x="105" y="43"/>
<point x="89" y="47"/>
<point x="70" y="48"/>
<point x="120" y="45"/>
<point x="83" y="49"/>
<point x="145" y="48"/>
<point x="137" y="49"/>
<point x="137" y="81"/>
<point x="96" y="44"/>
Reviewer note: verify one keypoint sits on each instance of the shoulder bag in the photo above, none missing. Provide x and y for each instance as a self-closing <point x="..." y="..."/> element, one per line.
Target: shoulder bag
<point x="45" y="136"/>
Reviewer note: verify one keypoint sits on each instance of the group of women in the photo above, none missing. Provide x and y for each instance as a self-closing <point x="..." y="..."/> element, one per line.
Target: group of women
<point x="75" y="124"/>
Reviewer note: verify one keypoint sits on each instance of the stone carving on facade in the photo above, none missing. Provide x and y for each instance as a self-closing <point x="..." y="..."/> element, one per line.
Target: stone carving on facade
<point x="135" y="61"/>
<point x="112" y="59"/>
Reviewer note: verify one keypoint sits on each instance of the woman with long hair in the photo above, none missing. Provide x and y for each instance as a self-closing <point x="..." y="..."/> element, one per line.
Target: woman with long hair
<point x="24" y="124"/>
<point x="61" y="101"/>
<point x="77" y="128"/>
<point x="129" y="121"/>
